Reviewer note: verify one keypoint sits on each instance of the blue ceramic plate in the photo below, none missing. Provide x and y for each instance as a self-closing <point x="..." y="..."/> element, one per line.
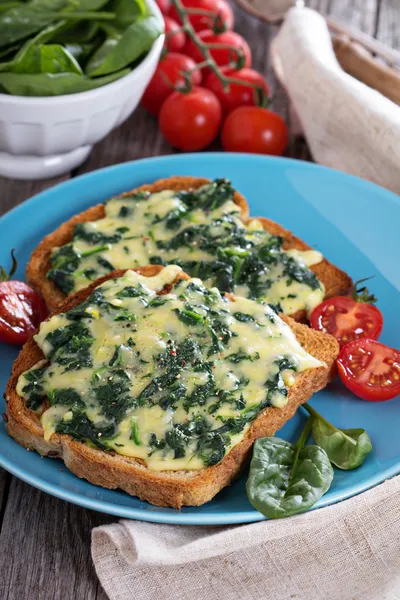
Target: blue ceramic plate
<point x="353" y="223"/>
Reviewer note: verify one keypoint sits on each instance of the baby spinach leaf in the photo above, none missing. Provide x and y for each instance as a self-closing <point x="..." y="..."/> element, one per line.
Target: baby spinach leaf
<point x="346" y="448"/>
<point x="47" y="58"/>
<point x="286" y="479"/>
<point x="126" y="11"/>
<point x="85" y="5"/>
<point x="53" y="84"/>
<point x="81" y="32"/>
<point x="115" y="54"/>
<point x="20" y="22"/>
<point x="81" y="52"/>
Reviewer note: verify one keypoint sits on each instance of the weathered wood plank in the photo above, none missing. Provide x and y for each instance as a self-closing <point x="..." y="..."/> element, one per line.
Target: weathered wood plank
<point x="5" y="481"/>
<point x="48" y="547"/>
<point x="360" y="14"/>
<point x="388" y="25"/>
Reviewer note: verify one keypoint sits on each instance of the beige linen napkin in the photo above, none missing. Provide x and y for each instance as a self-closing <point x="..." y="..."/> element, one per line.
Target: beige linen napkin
<point x="348" y="125"/>
<point x="347" y="551"/>
<point x="351" y="550"/>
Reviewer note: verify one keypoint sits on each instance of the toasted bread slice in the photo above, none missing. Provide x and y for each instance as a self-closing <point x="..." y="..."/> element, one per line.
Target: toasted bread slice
<point x="336" y="282"/>
<point x="170" y="488"/>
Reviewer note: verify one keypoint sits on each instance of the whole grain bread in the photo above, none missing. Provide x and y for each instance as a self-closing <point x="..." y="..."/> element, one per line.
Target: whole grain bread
<point x="177" y="488"/>
<point x="336" y="282"/>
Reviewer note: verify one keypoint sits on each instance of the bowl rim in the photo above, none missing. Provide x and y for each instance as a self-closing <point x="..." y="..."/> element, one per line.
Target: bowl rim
<point x="152" y="54"/>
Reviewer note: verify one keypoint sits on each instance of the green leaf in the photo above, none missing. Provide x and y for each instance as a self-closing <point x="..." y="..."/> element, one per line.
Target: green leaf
<point x="82" y="32"/>
<point x="85" y="5"/>
<point x="47" y="58"/>
<point x="346" y="448"/>
<point x="23" y="21"/>
<point x="81" y="51"/>
<point x="286" y="479"/>
<point x="53" y="84"/>
<point x="126" y="11"/>
<point x="116" y="54"/>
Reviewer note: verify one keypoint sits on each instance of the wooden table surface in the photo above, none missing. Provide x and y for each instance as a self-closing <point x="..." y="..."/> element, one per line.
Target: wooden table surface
<point x="45" y="542"/>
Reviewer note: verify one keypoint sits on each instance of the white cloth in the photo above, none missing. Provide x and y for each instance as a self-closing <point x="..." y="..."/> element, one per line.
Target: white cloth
<point x="348" y="551"/>
<point x="348" y="125"/>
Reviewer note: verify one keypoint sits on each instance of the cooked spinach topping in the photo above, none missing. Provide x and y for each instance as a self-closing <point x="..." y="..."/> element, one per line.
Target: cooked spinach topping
<point x="70" y="346"/>
<point x="199" y="230"/>
<point x="177" y="376"/>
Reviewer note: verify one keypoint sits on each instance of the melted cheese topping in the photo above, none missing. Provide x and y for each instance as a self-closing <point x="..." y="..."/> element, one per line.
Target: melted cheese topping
<point x="172" y="379"/>
<point x="203" y="234"/>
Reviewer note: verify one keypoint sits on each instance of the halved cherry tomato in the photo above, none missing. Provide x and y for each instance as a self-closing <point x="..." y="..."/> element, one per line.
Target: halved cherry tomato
<point x="221" y="14"/>
<point x="176" y="39"/>
<point x="167" y="76"/>
<point x="222" y="56"/>
<point x="21" y="308"/>
<point x="370" y="369"/>
<point x="237" y="95"/>
<point x="190" y="121"/>
<point x="347" y="320"/>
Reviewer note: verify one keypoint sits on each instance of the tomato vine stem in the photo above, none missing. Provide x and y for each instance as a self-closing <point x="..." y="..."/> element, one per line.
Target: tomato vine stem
<point x="209" y="62"/>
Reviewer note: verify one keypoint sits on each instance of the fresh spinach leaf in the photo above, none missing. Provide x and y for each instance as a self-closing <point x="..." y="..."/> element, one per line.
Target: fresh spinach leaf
<point x="50" y="84"/>
<point x="126" y="11"/>
<point x="286" y="479"/>
<point x="46" y="58"/>
<point x="22" y="21"/>
<point x="346" y="448"/>
<point x="135" y="41"/>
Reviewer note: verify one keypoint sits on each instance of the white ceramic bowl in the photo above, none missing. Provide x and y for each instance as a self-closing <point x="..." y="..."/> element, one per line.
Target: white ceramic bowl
<point x="45" y="137"/>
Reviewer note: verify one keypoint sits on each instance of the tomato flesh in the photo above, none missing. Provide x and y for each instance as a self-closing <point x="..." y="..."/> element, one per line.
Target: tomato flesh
<point x="347" y="320"/>
<point x="370" y="369"/>
<point x="21" y="312"/>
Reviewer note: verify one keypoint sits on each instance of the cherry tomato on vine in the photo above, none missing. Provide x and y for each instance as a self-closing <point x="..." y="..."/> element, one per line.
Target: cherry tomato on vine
<point x="175" y="41"/>
<point x="190" y="121"/>
<point x="21" y="309"/>
<point x="167" y="76"/>
<point x="254" y="129"/>
<point x="370" y="369"/>
<point x="347" y="319"/>
<point x="222" y="56"/>
<point x="221" y="14"/>
<point x="237" y="95"/>
<point x="164" y="6"/>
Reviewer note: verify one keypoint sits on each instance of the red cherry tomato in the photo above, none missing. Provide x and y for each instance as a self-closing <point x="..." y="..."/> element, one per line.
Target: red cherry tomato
<point x="222" y="56"/>
<point x="21" y="312"/>
<point x="175" y="41"/>
<point x="347" y="319"/>
<point x="164" y="6"/>
<point x="190" y="121"/>
<point x="237" y="95"/>
<point x="167" y="76"/>
<point x="254" y="129"/>
<point x="370" y="369"/>
<point x="221" y="14"/>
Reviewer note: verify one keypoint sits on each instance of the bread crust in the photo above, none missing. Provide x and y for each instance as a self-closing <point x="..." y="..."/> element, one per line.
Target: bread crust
<point x="336" y="282"/>
<point x="177" y="488"/>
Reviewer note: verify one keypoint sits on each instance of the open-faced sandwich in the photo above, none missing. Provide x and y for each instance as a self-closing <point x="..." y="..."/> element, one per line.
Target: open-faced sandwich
<point x="148" y="380"/>
<point x="202" y="226"/>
